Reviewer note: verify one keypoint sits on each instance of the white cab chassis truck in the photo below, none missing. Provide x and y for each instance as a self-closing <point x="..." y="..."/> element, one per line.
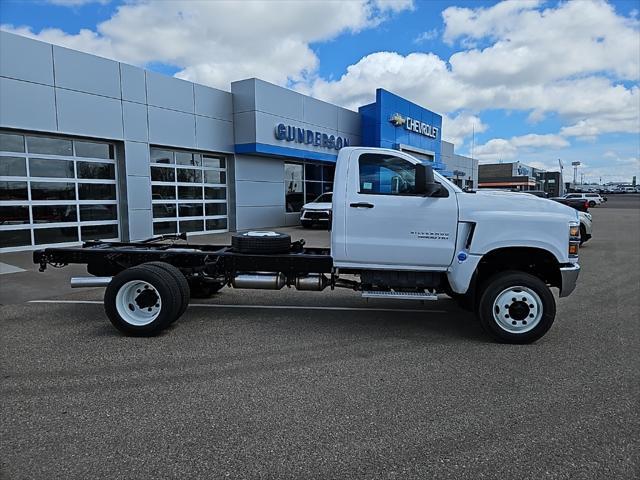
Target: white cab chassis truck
<point x="399" y="230"/>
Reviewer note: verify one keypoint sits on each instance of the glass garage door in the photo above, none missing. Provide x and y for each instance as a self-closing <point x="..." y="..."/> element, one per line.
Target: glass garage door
<point x="189" y="192"/>
<point x="55" y="190"/>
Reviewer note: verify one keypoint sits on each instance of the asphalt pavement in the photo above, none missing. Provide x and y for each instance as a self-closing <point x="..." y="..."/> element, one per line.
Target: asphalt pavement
<point x="253" y="384"/>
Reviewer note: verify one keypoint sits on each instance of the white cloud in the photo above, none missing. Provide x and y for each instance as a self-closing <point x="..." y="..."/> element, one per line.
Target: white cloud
<point x="394" y="5"/>
<point x="456" y="129"/>
<point x="529" y="46"/>
<point x="204" y="40"/>
<point x="481" y="22"/>
<point x="499" y="149"/>
<point x="426" y="36"/>
<point x="495" y="150"/>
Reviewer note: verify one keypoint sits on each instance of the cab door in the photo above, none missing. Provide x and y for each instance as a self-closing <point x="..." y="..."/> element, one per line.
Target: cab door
<point x="388" y="225"/>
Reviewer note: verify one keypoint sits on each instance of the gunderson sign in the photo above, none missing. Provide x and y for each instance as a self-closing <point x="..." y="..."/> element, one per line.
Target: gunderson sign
<point x="290" y="133"/>
<point x="414" y="125"/>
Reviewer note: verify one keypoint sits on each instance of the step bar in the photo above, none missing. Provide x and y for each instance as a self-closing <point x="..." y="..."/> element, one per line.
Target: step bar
<point x="400" y="295"/>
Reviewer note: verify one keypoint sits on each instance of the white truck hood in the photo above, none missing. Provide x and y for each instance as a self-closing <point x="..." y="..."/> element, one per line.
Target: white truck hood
<point x="317" y="206"/>
<point x="472" y="204"/>
<point x="506" y="219"/>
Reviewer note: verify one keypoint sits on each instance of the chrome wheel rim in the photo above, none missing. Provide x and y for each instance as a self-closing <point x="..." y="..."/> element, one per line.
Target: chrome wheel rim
<point x="138" y="303"/>
<point x="517" y="309"/>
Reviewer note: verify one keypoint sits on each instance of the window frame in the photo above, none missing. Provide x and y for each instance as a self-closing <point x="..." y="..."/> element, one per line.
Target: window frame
<point x="201" y="185"/>
<point x="32" y="226"/>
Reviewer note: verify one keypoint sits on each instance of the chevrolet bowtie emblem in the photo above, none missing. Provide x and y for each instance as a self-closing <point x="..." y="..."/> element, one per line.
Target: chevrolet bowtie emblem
<point x="397" y="119"/>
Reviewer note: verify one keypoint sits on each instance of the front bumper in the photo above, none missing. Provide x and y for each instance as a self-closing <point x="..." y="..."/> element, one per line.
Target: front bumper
<point x="569" y="274"/>
<point x="315" y="215"/>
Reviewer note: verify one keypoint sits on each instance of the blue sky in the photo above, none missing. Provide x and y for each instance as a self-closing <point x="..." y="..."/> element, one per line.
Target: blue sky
<point x="535" y="80"/>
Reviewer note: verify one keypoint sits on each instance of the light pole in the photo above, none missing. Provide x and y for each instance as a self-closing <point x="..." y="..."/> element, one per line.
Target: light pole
<point x="575" y="166"/>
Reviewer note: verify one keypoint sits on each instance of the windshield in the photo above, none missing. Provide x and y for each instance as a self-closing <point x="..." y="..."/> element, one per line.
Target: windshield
<point x="324" y="198"/>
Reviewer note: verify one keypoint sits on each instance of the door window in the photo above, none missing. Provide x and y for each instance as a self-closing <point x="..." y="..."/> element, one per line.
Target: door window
<point x="386" y="175"/>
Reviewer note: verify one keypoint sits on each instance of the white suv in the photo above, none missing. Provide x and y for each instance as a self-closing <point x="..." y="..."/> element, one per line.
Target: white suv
<point x="593" y="198"/>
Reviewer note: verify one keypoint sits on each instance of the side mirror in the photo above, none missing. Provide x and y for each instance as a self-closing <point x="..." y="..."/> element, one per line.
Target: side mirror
<point x="425" y="181"/>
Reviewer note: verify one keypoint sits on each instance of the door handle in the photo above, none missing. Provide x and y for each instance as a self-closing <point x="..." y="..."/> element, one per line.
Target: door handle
<point x="361" y="205"/>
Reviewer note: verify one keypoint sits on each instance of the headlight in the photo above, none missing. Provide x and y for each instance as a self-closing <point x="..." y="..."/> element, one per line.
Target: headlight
<point x="574" y="240"/>
<point x="574" y="231"/>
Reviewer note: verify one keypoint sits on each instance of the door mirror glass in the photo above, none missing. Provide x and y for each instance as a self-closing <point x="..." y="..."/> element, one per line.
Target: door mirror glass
<point x="425" y="180"/>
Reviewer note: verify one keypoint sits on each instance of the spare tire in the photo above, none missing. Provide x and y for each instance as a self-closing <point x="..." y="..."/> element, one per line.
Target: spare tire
<point x="261" y="242"/>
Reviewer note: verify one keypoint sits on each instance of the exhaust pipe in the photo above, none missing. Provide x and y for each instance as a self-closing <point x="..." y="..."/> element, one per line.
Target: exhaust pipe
<point x="84" y="282"/>
<point x="313" y="282"/>
<point x="263" y="281"/>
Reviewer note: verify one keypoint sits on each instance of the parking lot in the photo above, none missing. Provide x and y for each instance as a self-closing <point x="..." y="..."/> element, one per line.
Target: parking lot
<point x="258" y="384"/>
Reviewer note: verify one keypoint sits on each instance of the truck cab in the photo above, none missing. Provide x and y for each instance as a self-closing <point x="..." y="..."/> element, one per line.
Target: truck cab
<point x="397" y="223"/>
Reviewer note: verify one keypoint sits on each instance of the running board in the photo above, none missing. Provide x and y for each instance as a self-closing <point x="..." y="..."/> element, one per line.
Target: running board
<point x="400" y="295"/>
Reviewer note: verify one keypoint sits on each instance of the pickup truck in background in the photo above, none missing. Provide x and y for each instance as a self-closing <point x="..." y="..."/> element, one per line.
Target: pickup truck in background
<point x="593" y="199"/>
<point x="317" y="212"/>
<point x="399" y="231"/>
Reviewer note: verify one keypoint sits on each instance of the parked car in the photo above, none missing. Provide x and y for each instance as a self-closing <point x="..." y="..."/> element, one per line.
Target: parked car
<point x="586" y="226"/>
<point x="580" y="204"/>
<point x="593" y="198"/>
<point x="317" y="212"/>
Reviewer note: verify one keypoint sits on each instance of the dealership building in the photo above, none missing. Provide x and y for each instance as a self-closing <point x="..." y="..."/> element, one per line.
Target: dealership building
<point x="92" y="148"/>
<point x="518" y="176"/>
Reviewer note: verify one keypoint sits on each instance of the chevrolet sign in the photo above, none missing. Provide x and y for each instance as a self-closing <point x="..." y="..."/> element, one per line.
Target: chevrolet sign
<point x="414" y="125"/>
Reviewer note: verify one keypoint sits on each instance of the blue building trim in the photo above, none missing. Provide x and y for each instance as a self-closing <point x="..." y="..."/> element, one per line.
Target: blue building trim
<point x="273" y="150"/>
<point x="379" y="131"/>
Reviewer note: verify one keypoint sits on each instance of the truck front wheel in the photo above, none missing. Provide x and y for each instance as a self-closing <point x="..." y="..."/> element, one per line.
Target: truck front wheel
<point x="516" y="307"/>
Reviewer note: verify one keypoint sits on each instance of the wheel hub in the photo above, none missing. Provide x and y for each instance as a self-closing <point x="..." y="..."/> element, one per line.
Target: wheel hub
<point x="148" y="298"/>
<point x="517" y="309"/>
<point x="138" y="303"/>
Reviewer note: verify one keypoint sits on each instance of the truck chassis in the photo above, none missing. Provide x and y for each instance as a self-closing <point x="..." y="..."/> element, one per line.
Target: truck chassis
<point x="149" y="284"/>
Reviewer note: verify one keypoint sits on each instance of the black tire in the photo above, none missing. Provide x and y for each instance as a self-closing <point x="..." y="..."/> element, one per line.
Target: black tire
<point x="592" y="203"/>
<point x="306" y="224"/>
<point x="261" y="242"/>
<point x="166" y="288"/>
<point x="583" y="234"/>
<point x="183" y="285"/>
<point x="203" y="289"/>
<point x="496" y="286"/>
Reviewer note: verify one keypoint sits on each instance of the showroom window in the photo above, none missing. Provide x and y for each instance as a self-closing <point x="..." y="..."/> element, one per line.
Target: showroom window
<point x="189" y="191"/>
<point x="56" y="190"/>
<point x="304" y="182"/>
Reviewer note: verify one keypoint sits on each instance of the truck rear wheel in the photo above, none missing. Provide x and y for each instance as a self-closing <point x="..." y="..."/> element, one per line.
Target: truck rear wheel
<point x="181" y="281"/>
<point x="516" y="307"/>
<point x="142" y="300"/>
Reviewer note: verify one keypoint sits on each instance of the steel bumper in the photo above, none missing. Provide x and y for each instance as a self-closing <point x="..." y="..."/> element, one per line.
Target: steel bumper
<point x="569" y="276"/>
